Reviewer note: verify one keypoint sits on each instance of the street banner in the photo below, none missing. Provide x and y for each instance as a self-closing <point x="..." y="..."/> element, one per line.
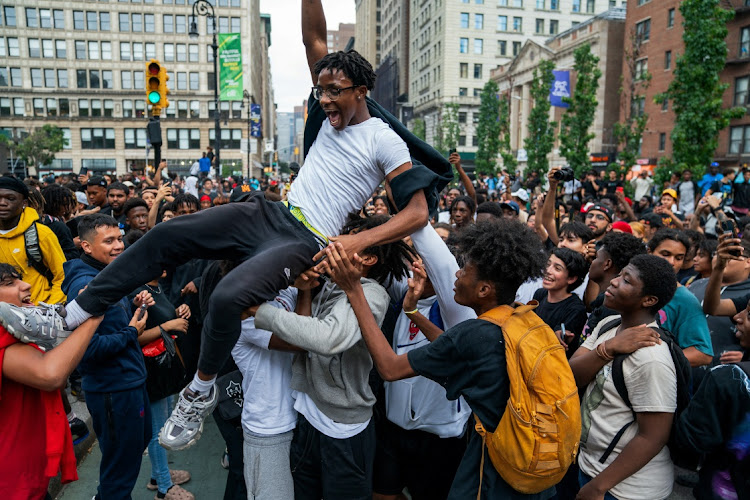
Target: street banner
<point x="230" y="67"/>
<point x="255" y="130"/>
<point x="560" y="88"/>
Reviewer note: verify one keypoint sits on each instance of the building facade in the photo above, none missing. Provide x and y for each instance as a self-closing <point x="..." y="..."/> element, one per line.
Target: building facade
<point x="339" y="39"/>
<point x="286" y="136"/>
<point x="453" y="45"/>
<point x="367" y="30"/>
<point x="392" y="85"/>
<point x="605" y="33"/>
<point x="80" y="65"/>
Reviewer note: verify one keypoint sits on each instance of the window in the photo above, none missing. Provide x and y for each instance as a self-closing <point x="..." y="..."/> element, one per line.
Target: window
<point x="478" y="21"/>
<point x="463" y="91"/>
<point x="45" y="18"/>
<point x="192" y="53"/>
<point x="36" y="77"/>
<point x="180" y="25"/>
<point x="518" y="3"/>
<point x="127" y="108"/>
<point x="502" y="23"/>
<point x="62" y="78"/>
<point x="48" y="51"/>
<point x="124" y="22"/>
<point x="462" y="140"/>
<point x="182" y="109"/>
<point x="58" y="17"/>
<point x="34" y="50"/>
<point x="576" y="5"/>
<point x="94" y="81"/>
<point x="181" y="52"/>
<point x="168" y="23"/>
<point x="553" y="27"/>
<point x="670" y="18"/>
<point x="125" y="54"/>
<point x="82" y="79"/>
<point x="668" y="60"/>
<point x="135" y="138"/>
<point x="478" y="45"/>
<point x="3" y="77"/>
<point x="739" y="140"/>
<point x="49" y="78"/>
<point x="38" y="107"/>
<point x="137" y="23"/>
<point x="463" y="70"/>
<point x="96" y="108"/>
<point x="478" y="71"/>
<point x="126" y="80"/>
<point x="643" y="30"/>
<point x="744" y="41"/>
<point x="516" y="48"/>
<point x="641" y="68"/>
<point x="97" y="138"/>
<point x="83" y="107"/>
<point x="18" y="107"/>
<point x="195" y="109"/>
<point x="139" y="80"/>
<point x="13" y="49"/>
<point x="740" y="90"/>
<point x="502" y="47"/>
<point x="662" y="141"/>
<point x="638" y="105"/>
<point x="518" y="24"/>
<point x="10" y="16"/>
<point x="104" y="24"/>
<point x="106" y="51"/>
<point x="80" y="49"/>
<point x="462" y="117"/>
<point x="32" y="21"/>
<point x="148" y="23"/>
<point x="51" y="107"/>
<point x="93" y="50"/>
<point x="224" y="25"/>
<point x="169" y="52"/>
<point x="107" y="82"/>
<point x="184" y="138"/>
<point x="137" y="51"/>
<point x="540" y="4"/>
<point x="554" y="4"/>
<point x="65" y="111"/>
<point x="539" y="26"/>
<point x="60" y="49"/>
<point x="463" y="46"/>
<point x="235" y="24"/>
<point x="92" y="23"/>
<point x="5" y="106"/>
<point x="150" y="51"/>
<point x="194" y="81"/>
<point x="464" y="20"/>
<point x="589" y="6"/>
<point x="181" y="80"/>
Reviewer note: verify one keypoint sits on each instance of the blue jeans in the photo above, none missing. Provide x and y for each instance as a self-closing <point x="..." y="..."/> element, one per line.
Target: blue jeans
<point x="583" y="479"/>
<point x="157" y="454"/>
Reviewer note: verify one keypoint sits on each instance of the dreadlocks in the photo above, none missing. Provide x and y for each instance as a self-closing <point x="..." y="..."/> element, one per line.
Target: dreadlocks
<point x="58" y="200"/>
<point x="352" y="64"/>
<point x="393" y="258"/>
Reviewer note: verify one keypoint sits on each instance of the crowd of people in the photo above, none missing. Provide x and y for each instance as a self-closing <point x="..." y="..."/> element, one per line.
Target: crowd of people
<point x="369" y="330"/>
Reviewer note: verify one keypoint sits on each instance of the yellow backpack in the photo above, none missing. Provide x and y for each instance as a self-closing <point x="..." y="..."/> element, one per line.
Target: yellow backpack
<point x="538" y="435"/>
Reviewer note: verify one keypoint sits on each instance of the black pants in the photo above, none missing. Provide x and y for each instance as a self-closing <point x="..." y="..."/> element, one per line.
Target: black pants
<point x="274" y="246"/>
<point x="122" y="422"/>
<point x="329" y="468"/>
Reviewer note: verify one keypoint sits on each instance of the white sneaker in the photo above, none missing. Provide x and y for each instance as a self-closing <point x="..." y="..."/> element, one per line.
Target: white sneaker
<point x="185" y="426"/>
<point x="43" y="325"/>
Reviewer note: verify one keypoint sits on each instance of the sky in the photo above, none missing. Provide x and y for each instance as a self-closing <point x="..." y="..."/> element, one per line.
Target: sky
<point x="291" y="75"/>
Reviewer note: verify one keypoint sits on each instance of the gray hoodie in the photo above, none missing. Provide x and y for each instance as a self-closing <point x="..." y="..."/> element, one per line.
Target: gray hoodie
<point x="334" y="372"/>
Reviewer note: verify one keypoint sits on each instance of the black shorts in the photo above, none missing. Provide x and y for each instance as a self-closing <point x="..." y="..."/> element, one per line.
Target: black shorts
<point x="422" y="462"/>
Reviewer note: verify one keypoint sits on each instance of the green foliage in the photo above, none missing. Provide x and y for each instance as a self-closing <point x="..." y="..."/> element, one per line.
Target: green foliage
<point x="488" y="129"/>
<point x="449" y="126"/>
<point x="696" y="91"/>
<point x="577" y="120"/>
<point x="38" y="148"/>
<point x="541" y="136"/>
<point x="419" y="128"/>
<point x="509" y="159"/>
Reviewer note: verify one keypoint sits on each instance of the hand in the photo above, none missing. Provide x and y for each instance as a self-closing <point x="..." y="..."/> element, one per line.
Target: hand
<point x="632" y="339"/>
<point x="727" y="244"/>
<point x="416" y="286"/>
<point x="455" y="160"/>
<point x="90" y="211"/>
<point x="143" y="297"/>
<point x="189" y="288"/>
<point x="702" y="205"/>
<point x="551" y="176"/>
<point x="589" y="492"/>
<point x="345" y="272"/>
<point x="589" y="251"/>
<point x="712" y="201"/>
<point x="731" y="357"/>
<point x="620" y="196"/>
<point x="183" y="311"/>
<point x="175" y="325"/>
<point x="559" y="335"/>
<point x="353" y="245"/>
<point x="307" y="280"/>
<point x="250" y="311"/>
<point x="164" y="191"/>
<point x="139" y="324"/>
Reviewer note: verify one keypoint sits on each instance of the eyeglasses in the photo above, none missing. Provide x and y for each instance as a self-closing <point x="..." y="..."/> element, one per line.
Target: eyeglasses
<point x="332" y="93"/>
<point x="596" y="216"/>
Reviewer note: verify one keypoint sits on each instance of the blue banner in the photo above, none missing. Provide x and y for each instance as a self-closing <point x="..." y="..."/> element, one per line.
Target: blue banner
<point x="560" y="88"/>
<point x="255" y="130"/>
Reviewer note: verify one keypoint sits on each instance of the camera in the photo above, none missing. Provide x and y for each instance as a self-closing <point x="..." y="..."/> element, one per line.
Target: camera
<point x="565" y="174"/>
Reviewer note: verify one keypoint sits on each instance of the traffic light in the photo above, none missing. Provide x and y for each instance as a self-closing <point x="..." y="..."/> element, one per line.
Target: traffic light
<point x="156" y="84"/>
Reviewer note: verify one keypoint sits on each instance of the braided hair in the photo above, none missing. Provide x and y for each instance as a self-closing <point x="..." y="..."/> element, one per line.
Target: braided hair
<point x="352" y="64"/>
<point x="58" y="200"/>
<point x="393" y="258"/>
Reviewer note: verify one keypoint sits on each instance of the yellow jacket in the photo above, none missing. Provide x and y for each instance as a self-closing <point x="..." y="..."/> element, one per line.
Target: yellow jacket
<point x="13" y="252"/>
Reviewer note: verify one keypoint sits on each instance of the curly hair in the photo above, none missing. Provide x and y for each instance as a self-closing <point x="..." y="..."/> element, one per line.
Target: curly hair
<point x="490" y="207"/>
<point x="668" y="234"/>
<point x="657" y="277"/>
<point x="132" y="203"/>
<point x="355" y="67"/>
<point x="393" y="258"/>
<point x="186" y="199"/>
<point x="621" y="247"/>
<point x="505" y="252"/>
<point x="575" y="264"/>
<point x="58" y="200"/>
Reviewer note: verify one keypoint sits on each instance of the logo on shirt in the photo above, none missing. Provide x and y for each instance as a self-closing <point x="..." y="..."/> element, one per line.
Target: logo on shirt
<point x="413" y="330"/>
<point x="234" y="391"/>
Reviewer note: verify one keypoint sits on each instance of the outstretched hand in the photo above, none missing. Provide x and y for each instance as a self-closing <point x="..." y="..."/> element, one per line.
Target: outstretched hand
<point x="416" y="286"/>
<point x="345" y="271"/>
<point x="352" y="244"/>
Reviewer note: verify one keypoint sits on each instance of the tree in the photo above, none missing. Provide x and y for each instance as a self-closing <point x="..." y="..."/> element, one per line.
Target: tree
<point x="696" y="91"/>
<point x="509" y="159"/>
<point x="634" y="84"/>
<point x="541" y="131"/>
<point x="576" y="122"/>
<point x="449" y="126"/>
<point x="419" y="128"/>
<point x="38" y="148"/>
<point x="488" y="129"/>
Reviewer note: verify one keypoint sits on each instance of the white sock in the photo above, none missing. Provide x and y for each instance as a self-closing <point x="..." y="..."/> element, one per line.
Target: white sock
<point x="71" y="416"/>
<point x="75" y="315"/>
<point x="201" y="386"/>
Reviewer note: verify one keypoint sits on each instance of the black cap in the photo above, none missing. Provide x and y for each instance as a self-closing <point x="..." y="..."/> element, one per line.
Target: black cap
<point x="241" y="193"/>
<point x="603" y="209"/>
<point x="13" y="184"/>
<point x="97" y="180"/>
<point x="652" y="219"/>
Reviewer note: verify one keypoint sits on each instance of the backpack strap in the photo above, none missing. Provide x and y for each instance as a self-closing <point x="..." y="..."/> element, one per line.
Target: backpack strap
<point x="608" y="326"/>
<point x="480" y="430"/>
<point x="34" y="253"/>
<point x="618" y="378"/>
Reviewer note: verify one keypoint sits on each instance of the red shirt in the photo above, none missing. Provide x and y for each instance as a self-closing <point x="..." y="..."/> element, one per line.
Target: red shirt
<point x="35" y="440"/>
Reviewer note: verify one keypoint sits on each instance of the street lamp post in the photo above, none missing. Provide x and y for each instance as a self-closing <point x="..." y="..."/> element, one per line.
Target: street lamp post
<point x="204" y="8"/>
<point x="247" y="100"/>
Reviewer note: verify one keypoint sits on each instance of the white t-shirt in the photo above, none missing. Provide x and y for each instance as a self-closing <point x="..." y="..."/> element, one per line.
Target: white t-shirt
<point x="342" y="169"/>
<point x="652" y="387"/>
<point x="306" y="406"/>
<point x="268" y="408"/>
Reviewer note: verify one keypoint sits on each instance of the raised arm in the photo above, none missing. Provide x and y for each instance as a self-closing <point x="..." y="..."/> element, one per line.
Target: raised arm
<point x="712" y="302"/>
<point x="548" y="209"/>
<point x="455" y="160"/>
<point x="314" y="34"/>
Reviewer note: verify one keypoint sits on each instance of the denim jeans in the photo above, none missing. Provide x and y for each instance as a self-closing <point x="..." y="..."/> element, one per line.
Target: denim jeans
<point x="157" y="454"/>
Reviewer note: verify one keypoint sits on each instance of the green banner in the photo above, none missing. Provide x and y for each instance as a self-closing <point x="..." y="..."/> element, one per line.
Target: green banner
<point x="230" y="67"/>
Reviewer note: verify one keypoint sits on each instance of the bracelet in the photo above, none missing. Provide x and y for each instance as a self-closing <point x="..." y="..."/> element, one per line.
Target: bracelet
<point x="411" y="312"/>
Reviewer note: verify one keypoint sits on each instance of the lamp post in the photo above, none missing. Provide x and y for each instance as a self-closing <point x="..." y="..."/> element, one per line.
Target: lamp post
<point x="204" y="8"/>
<point x="247" y="100"/>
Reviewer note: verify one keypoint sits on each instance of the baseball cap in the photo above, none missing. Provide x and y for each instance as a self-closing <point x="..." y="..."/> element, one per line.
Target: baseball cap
<point x="511" y="205"/>
<point x="670" y="192"/>
<point x="521" y="194"/>
<point x="714" y="163"/>
<point x="623" y="226"/>
<point x="601" y="208"/>
<point x="97" y="180"/>
<point x="241" y="193"/>
<point x="652" y="219"/>
<point x="81" y="198"/>
<point x="129" y="184"/>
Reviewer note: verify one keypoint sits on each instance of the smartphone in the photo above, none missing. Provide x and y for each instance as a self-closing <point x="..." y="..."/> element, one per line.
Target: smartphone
<point x="83" y="171"/>
<point x="451" y="151"/>
<point x="141" y="311"/>
<point x="728" y="227"/>
<point x="620" y="189"/>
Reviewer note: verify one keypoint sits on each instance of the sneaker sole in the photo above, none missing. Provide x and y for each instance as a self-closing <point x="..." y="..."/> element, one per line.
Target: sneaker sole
<point x="186" y="446"/>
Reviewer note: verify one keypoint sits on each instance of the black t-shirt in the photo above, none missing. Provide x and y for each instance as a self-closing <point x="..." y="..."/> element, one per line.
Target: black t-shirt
<point x="742" y="195"/>
<point x="588" y="189"/>
<point x="612" y="186"/>
<point x="570" y="311"/>
<point x="162" y="311"/>
<point x="469" y="360"/>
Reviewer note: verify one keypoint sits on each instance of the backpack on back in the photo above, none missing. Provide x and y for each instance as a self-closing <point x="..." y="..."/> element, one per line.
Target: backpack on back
<point x="538" y="435"/>
<point x="684" y="392"/>
<point x="34" y="253"/>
